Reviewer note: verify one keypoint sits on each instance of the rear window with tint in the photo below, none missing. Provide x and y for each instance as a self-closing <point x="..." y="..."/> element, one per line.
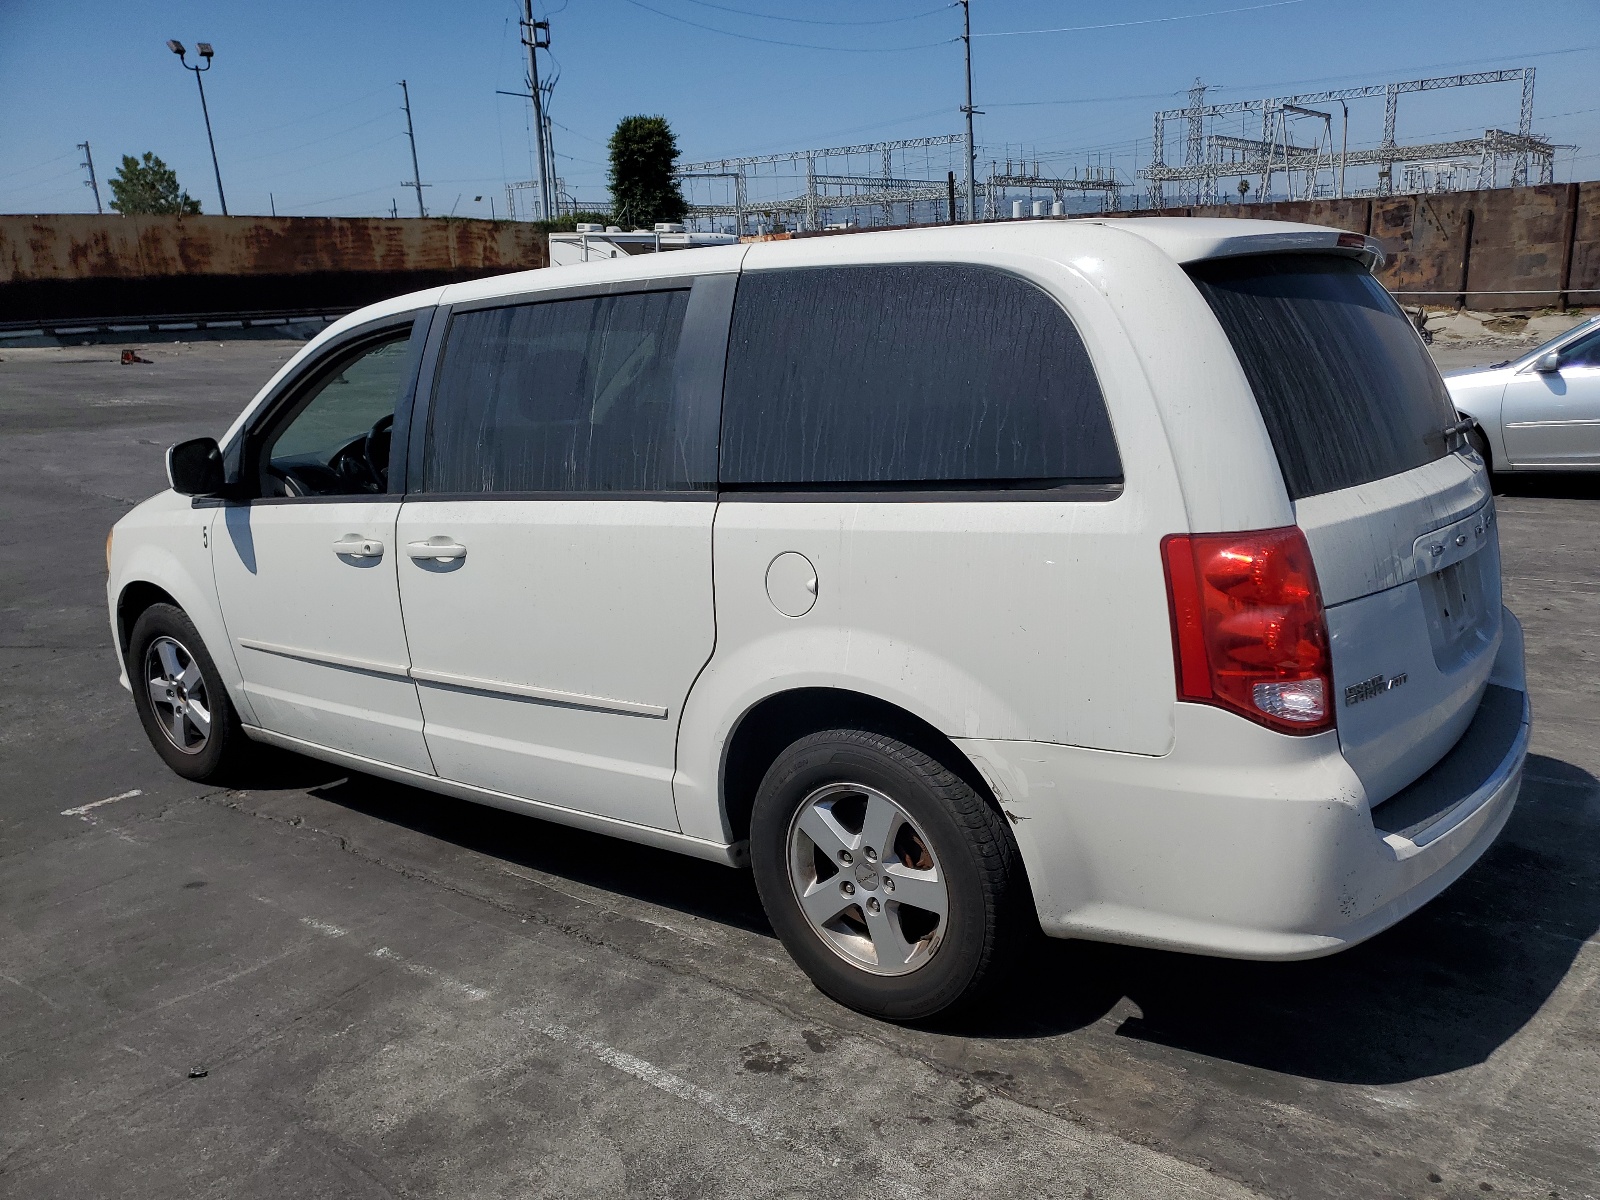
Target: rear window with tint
<point x="931" y="374"/>
<point x="1345" y="387"/>
<point x="560" y="396"/>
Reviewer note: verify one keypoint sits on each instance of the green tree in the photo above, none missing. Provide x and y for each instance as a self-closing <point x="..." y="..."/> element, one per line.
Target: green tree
<point x="643" y="190"/>
<point x="149" y="186"/>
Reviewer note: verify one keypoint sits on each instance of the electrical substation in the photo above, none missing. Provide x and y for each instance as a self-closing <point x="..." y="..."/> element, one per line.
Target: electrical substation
<point x="1291" y="147"/>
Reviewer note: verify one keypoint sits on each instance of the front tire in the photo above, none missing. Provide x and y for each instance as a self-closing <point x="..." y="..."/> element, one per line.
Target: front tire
<point x="892" y="883"/>
<point x="181" y="700"/>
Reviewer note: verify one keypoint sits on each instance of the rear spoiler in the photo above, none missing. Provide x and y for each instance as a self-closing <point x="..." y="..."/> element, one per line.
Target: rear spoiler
<point x="1193" y="239"/>
<point x="1355" y="245"/>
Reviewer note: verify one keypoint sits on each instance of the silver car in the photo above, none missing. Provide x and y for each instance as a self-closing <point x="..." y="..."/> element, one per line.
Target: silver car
<point x="1540" y="412"/>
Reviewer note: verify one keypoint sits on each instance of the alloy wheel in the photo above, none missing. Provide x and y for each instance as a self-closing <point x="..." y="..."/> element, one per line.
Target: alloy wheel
<point x="178" y="694"/>
<point x="867" y="879"/>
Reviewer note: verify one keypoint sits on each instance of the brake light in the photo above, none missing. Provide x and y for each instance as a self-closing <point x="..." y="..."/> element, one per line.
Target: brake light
<point x="1248" y="629"/>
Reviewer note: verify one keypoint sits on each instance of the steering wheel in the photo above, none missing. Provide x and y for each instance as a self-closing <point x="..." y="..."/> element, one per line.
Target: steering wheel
<point x="362" y="463"/>
<point x="375" y="451"/>
<point x="289" y="484"/>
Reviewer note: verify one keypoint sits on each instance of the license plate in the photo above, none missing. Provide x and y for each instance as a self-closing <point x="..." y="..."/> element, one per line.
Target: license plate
<point x="1459" y="598"/>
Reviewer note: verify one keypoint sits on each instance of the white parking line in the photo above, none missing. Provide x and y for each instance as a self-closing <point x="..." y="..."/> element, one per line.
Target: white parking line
<point x="427" y="972"/>
<point x="665" y="1081"/>
<point x="322" y="927"/>
<point x="1118" y="1168"/>
<point x="83" y="809"/>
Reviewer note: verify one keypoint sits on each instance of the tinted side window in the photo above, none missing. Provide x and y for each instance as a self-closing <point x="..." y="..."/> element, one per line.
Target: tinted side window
<point x="559" y="396"/>
<point x="1583" y="353"/>
<point x="930" y="373"/>
<point x="1346" y="390"/>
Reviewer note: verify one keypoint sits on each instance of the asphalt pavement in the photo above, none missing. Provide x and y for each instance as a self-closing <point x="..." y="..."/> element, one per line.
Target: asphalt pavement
<point x="329" y="985"/>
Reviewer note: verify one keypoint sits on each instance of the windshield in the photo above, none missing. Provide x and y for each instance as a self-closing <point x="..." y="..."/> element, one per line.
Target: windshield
<point x="1345" y="386"/>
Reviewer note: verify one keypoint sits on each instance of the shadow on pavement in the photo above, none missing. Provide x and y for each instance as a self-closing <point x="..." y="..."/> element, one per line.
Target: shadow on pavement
<point x="1440" y="991"/>
<point x="1557" y="485"/>
<point x="691" y="885"/>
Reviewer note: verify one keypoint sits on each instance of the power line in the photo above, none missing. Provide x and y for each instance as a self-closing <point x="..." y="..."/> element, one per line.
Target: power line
<point x="343" y="104"/>
<point x="344" y="156"/>
<point x="39" y="183"/>
<point x="832" y="133"/>
<point x="1397" y="70"/>
<point x="383" y="116"/>
<point x="346" y="196"/>
<point x="37" y="165"/>
<point x="1078" y="100"/>
<point x="1282" y="83"/>
<point x="744" y="12"/>
<point x="1221" y="12"/>
<point x="750" y="37"/>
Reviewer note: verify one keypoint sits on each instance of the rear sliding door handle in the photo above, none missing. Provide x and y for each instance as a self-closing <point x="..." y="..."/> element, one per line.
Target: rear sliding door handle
<point x="354" y="546"/>
<point x="439" y="549"/>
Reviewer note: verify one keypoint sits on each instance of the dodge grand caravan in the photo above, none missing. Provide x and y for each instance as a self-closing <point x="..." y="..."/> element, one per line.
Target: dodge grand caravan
<point x="1128" y="579"/>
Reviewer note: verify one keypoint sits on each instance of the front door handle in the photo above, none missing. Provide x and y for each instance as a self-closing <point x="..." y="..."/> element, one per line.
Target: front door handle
<point x="439" y="549"/>
<point x="353" y="545"/>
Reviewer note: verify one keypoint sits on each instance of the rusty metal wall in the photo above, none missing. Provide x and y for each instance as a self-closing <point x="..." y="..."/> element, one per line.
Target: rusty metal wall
<point x="1494" y="250"/>
<point x="116" y="247"/>
<point x="1507" y="248"/>
<point x="1584" y="269"/>
<point x="82" y="266"/>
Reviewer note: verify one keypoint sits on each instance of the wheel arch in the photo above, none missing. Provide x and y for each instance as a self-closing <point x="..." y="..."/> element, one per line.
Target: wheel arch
<point x="159" y="561"/>
<point x="782" y="718"/>
<point x="132" y="601"/>
<point x="1483" y="408"/>
<point x="1488" y="446"/>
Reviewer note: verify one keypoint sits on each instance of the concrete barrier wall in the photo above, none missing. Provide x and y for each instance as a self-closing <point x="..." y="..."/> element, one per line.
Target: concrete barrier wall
<point x="86" y="266"/>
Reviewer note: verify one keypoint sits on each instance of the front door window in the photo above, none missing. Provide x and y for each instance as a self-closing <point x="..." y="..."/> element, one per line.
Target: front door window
<point x="335" y="441"/>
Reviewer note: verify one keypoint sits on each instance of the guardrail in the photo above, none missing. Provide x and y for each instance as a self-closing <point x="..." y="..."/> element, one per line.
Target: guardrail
<point x="168" y="322"/>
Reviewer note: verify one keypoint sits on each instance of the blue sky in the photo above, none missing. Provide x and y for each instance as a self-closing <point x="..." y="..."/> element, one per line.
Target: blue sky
<point x="305" y="103"/>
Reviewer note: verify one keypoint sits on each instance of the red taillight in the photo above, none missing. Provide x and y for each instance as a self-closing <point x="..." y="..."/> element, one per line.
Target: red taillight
<point x="1248" y="631"/>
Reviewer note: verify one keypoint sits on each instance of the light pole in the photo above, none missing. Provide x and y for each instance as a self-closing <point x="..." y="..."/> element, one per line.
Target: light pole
<point x="205" y="52"/>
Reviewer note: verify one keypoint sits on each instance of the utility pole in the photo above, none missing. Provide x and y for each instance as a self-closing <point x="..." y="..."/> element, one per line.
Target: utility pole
<point x="972" y="153"/>
<point x="1344" y="147"/>
<point x="205" y="52"/>
<point x="416" y="173"/>
<point x="550" y="154"/>
<point x="91" y="183"/>
<point x="531" y="31"/>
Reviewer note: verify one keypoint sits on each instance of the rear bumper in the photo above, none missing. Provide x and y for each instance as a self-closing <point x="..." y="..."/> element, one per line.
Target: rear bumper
<point x="1249" y="844"/>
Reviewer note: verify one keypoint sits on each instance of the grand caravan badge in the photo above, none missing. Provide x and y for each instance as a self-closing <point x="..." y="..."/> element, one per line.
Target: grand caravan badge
<point x="1368" y="688"/>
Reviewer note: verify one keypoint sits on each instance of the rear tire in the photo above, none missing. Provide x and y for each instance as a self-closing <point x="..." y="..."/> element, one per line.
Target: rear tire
<point x="923" y="924"/>
<point x="181" y="700"/>
<point x="1480" y="447"/>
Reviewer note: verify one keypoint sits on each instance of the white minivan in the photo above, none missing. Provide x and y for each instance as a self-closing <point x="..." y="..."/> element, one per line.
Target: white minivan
<point x="1131" y="579"/>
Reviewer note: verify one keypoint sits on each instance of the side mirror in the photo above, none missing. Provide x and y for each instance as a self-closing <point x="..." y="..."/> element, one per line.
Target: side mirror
<point x="1547" y="364"/>
<point x="194" y="468"/>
